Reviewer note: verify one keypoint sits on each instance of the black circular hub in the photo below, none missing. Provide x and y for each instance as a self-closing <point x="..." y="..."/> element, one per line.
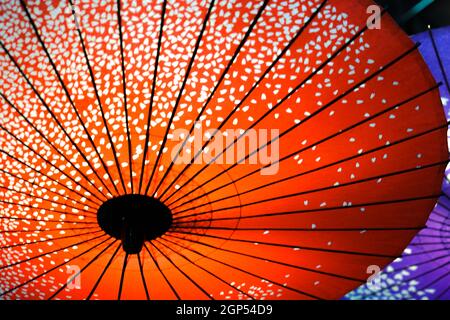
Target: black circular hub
<point x="134" y="219"/>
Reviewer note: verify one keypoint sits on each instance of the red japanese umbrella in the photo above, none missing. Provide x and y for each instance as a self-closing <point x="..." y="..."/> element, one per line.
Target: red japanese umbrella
<point x="210" y="149"/>
<point x="423" y="270"/>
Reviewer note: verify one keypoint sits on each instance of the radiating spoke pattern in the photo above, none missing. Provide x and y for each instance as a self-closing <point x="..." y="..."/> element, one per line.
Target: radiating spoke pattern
<point x="220" y="149"/>
<point x="423" y="270"/>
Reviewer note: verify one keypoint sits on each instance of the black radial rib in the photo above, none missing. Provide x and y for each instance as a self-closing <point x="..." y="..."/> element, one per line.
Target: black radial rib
<point x="89" y="213"/>
<point x="58" y="75"/>
<point x="180" y="222"/>
<point x="333" y="187"/>
<point x="259" y="277"/>
<point x="103" y="273"/>
<point x="162" y="273"/>
<point x="222" y="77"/>
<point x="64" y="286"/>
<point x="438" y="56"/>
<point x="51" y="269"/>
<point x="283" y="245"/>
<point x="195" y="283"/>
<point x="49" y="210"/>
<point x="41" y="173"/>
<point x="55" y="148"/>
<point x="186" y="76"/>
<point x="144" y="282"/>
<point x="299" y="151"/>
<point x="52" y="114"/>
<point x="50" y="252"/>
<point x="255" y="85"/>
<point x="81" y="185"/>
<point x="124" y="88"/>
<point x="152" y="96"/>
<point x="260" y="258"/>
<point x="122" y="276"/>
<point x="318" y="111"/>
<point x="97" y="95"/>
<point x="21" y="244"/>
<point x="202" y="268"/>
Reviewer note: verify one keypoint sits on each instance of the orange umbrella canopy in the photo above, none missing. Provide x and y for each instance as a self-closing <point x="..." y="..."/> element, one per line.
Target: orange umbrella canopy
<point x="220" y="149"/>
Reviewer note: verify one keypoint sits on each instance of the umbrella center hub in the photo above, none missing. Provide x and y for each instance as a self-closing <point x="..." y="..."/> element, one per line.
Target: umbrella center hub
<point x="134" y="219"/>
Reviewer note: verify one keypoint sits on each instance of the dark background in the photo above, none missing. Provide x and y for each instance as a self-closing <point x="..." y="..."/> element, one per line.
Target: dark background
<point x="415" y="15"/>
